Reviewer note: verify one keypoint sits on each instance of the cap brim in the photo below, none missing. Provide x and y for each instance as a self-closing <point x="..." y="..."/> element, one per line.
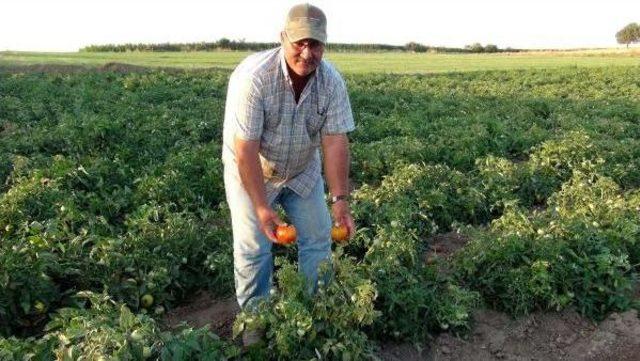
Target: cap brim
<point x="306" y="30"/>
<point x="301" y="34"/>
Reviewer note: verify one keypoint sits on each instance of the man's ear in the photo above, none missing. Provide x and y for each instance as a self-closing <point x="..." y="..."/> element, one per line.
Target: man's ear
<point x="282" y="37"/>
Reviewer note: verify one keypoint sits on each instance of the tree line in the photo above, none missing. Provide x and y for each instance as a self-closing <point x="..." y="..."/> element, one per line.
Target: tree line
<point x="627" y="35"/>
<point x="241" y="45"/>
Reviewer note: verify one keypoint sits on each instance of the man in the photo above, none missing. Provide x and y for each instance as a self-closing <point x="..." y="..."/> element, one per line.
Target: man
<point x="283" y="106"/>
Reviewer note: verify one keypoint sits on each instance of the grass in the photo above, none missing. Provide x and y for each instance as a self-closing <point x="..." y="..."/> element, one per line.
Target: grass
<point x="391" y="62"/>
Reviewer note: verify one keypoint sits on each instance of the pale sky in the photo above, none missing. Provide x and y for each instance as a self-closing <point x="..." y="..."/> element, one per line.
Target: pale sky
<point x="67" y="25"/>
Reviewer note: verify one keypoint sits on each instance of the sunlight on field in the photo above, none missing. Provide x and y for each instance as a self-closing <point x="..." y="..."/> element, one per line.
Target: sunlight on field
<point x="390" y="62"/>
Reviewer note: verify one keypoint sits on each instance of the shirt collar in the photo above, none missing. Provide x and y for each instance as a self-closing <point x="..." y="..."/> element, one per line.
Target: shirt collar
<point x="283" y="66"/>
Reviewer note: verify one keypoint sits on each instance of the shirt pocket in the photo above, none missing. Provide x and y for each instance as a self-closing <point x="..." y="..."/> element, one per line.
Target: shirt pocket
<point x="315" y="122"/>
<point x="317" y="117"/>
<point x="272" y="116"/>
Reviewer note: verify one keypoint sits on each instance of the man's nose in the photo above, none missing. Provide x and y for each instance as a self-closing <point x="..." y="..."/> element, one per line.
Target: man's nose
<point x="306" y="53"/>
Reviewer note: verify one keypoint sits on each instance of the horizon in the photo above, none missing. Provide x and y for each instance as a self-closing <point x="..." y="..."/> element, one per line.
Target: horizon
<point x="68" y="26"/>
<point x="632" y="48"/>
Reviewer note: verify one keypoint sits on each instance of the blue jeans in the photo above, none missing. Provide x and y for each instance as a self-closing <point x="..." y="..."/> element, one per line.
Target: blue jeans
<point x="252" y="258"/>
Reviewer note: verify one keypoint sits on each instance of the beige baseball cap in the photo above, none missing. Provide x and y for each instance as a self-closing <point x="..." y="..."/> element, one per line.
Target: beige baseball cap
<point x="305" y="21"/>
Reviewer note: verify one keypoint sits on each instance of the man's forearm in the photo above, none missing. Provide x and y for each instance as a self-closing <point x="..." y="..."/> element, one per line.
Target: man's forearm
<point x="336" y="163"/>
<point x="251" y="171"/>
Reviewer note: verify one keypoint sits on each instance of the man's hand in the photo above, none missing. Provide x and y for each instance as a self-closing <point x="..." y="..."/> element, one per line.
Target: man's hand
<point x="268" y="219"/>
<point x="336" y="167"/>
<point x="342" y="216"/>
<point x="253" y="181"/>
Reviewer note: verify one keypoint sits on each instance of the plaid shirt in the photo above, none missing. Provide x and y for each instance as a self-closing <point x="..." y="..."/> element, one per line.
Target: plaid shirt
<point x="261" y="106"/>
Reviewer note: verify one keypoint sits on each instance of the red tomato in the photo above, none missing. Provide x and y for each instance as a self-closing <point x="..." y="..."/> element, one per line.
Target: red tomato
<point x="339" y="233"/>
<point x="286" y="234"/>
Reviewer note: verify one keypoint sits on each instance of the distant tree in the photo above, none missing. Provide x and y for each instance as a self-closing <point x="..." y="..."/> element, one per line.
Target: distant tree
<point x="490" y="48"/>
<point x="224" y="43"/>
<point x="415" y="47"/>
<point x="629" y="34"/>
<point x="475" y="48"/>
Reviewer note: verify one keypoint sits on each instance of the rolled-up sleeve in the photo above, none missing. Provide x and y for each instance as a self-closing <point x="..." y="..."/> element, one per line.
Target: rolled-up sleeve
<point x="249" y="110"/>
<point x="339" y="115"/>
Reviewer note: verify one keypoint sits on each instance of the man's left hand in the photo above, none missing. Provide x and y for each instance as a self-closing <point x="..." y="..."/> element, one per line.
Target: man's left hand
<point x="342" y="216"/>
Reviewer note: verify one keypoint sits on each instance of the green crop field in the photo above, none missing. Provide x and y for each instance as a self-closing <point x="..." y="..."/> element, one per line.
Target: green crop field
<point x="390" y="62"/>
<point x="112" y="207"/>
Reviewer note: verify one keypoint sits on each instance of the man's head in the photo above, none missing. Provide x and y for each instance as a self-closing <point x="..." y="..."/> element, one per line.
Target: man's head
<point x="303" y="38"/>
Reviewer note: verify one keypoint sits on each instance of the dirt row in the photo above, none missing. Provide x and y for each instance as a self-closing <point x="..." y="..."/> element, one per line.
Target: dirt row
<point x="540" y="336"/>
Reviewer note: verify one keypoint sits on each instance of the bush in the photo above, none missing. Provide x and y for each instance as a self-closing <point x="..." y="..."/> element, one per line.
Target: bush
<point x="414" y="298"/>
<point x="575" y="252"/>
<point x="328" y="324"/>
<point x="427" y="199"/>
<point x="98" y="328"/>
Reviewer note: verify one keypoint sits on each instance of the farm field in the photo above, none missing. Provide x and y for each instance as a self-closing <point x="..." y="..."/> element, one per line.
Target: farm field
<point x="389" y="62"/>
<point x="486" y="201"/>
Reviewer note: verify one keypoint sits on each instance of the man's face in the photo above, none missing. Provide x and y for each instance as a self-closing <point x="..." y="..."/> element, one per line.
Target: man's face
<point x="304" y="56"/>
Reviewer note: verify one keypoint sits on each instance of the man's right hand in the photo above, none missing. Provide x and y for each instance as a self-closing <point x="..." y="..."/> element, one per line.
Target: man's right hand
<point x="250" y="170"/>
<point x="268" y="219"/>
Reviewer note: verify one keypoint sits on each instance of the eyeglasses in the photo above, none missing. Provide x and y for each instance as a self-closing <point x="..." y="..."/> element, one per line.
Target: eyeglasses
<point x="311" y="44"/>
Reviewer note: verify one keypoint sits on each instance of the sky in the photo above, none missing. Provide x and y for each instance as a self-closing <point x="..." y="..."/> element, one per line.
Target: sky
<point x="68" y="25"/>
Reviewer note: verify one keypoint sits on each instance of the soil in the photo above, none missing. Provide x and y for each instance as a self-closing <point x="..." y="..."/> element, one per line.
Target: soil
<point x="204" y="309"/>
<point x="538" y="337"/>
<point x="444" y="245"/>
<point x="7" y="128"/>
